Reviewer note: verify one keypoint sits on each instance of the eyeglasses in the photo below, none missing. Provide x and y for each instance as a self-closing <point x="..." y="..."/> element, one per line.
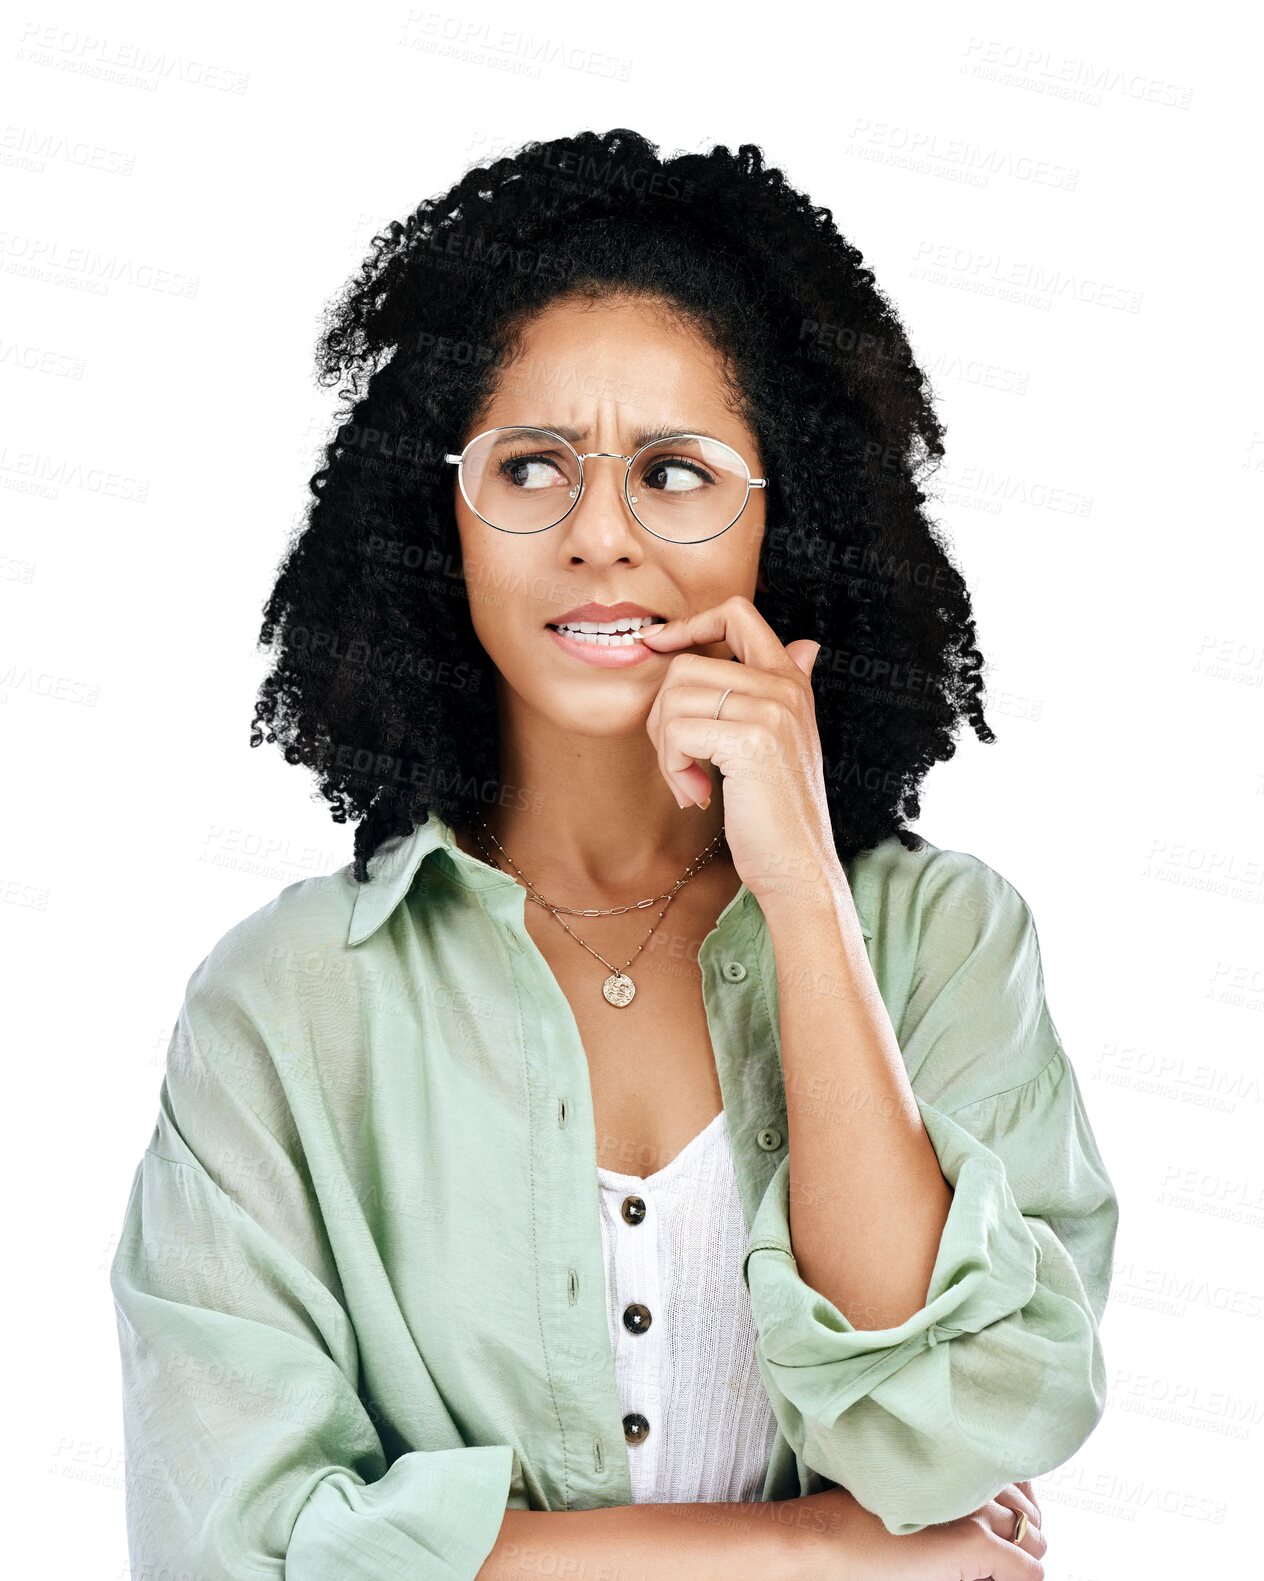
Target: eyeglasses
<point x="685" y="488"/>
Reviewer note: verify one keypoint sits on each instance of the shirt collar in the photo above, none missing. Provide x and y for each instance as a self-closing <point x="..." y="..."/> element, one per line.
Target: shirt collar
<point x="394" y="865"/>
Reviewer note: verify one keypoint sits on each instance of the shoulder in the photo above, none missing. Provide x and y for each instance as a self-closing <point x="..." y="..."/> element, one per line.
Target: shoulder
<point x="275" y="955"/>
<point x="935" y="897"/>
<point x="268" y="1023"/>
<point x="956" y="955"/>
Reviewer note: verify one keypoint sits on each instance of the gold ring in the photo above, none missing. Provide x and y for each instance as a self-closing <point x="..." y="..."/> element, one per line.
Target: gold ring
<point x="1021" y="1528"/>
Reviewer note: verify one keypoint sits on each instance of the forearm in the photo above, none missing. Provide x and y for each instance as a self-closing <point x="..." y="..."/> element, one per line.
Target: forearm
<point x="645" y="1542"/>
<point x="868" y="1202"/>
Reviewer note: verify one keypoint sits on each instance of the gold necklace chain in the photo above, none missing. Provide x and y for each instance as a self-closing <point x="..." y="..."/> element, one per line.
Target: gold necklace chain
<point x="618" y="989"/>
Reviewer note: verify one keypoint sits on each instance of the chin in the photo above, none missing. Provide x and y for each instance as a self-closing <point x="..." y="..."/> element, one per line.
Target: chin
<point x="595" y="712"/>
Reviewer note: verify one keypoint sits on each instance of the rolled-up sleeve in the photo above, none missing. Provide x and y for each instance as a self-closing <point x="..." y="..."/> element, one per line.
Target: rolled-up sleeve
<point x="1000" y="1376"/>
<point x="249" y="1449"/>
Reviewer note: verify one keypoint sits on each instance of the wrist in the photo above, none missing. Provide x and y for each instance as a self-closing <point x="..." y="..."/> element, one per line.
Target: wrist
<point x="778" y="1535"/>
<point x="832" y="1537"/>
<point x="812" y="877"/>
<point x="807" y="897"/>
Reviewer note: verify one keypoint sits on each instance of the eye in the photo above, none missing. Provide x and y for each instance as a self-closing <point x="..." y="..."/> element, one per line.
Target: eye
<point x="531" y="470"/>
<point x="676" y="475"/>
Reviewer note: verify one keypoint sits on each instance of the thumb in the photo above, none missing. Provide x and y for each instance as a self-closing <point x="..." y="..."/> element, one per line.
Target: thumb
<point x="804" y="653"/>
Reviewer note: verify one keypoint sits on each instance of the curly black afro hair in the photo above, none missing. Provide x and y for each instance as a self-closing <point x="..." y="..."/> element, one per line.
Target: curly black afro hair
<point x="379" y="682"/>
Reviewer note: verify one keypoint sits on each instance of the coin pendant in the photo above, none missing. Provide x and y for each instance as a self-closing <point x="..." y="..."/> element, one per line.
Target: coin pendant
<point x="618" y="989"/>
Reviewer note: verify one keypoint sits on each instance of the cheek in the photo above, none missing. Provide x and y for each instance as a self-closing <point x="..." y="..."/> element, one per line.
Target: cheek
<point x="480" y="567"/>
<point x="499" y="591"/>
<point x="735" y="571"/>
<point x="491" y="615"/>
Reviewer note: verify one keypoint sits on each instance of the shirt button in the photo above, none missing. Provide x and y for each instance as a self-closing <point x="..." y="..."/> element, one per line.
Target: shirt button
<point x="636" y="1428"/>
<point x="636" y="1318"/>
<point x="734" y="971"/>
<point x="769" y="1138"/>
<point x="633" y="1209"/>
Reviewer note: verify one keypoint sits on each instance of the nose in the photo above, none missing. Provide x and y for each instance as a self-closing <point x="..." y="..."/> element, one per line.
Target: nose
<point x="601" y="525"/>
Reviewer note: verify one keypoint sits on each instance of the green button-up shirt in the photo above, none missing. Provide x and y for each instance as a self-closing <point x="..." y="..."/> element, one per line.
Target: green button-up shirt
<point x="360" y="1280"/>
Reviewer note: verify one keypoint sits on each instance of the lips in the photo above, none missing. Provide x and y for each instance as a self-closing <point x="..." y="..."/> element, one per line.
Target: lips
<point x="602" y="614"/>
<point x="605" y="634"/>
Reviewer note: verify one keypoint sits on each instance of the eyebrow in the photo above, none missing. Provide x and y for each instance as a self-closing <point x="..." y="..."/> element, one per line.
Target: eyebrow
<point x="645" y="436"/>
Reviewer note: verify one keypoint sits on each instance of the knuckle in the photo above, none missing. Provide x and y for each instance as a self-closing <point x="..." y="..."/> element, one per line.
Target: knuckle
<point x="795" y="690"/>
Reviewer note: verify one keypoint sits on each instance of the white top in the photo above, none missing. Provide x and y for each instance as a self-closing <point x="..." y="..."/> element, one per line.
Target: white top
<point x="692" y="1372"/>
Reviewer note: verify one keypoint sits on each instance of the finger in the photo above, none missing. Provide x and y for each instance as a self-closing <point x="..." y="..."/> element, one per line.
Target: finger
<point x="686" y="785"/>
<point x="735" y="621"/>
<point x="1026" y="1488"/>
<point x="1000" y="1560"/>
<point x="1017" y="1498"/>
<point x="742" y="749"/>
<point x="1003" y="1513"/>
<point x="696" y="703"/>
<point x="697" y="671"/>
<point x="711" y="679"/>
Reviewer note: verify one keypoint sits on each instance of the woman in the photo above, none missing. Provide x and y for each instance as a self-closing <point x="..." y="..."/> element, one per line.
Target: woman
<point x="649" y="1151"/>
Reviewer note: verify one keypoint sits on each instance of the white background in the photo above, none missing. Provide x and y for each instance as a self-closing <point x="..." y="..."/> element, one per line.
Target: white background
<point x="1020" y="180"/>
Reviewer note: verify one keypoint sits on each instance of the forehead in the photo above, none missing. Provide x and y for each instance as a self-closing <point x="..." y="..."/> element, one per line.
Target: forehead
<point x="578" y="365"/>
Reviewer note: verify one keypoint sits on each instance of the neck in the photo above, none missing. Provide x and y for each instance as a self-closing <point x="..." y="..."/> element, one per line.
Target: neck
<point x="593" y="817"/>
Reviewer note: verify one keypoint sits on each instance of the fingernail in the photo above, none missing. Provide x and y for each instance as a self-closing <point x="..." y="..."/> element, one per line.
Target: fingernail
<point x="705" y="804"/>
<point x="681" y="801"/>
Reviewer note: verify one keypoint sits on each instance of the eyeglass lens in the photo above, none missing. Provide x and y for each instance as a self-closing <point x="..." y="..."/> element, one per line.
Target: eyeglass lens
<point x="684" y="489"/>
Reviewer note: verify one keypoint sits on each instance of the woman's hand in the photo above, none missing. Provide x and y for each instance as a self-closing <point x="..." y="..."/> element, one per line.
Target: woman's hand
<point x="765" y="742"/>
<point x="852" y="1544"/>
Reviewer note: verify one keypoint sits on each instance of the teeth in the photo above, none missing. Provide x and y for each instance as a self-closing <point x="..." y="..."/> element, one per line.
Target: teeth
<point x="600" y="639"/>
<point x="607" y="633"/>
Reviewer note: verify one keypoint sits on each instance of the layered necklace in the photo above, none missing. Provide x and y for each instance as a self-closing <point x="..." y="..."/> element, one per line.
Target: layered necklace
<point x="618" y="988"/>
